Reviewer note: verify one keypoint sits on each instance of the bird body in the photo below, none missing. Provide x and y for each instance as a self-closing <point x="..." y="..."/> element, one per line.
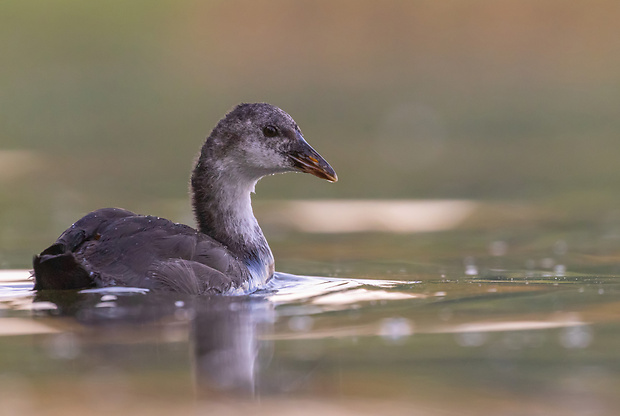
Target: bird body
<point x="227" y="254"/>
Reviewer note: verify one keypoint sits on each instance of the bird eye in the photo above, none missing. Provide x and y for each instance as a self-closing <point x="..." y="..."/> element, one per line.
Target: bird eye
<point x="270" y="131"/>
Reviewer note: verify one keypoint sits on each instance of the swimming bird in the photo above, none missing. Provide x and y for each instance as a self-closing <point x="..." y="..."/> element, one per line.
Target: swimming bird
<point x="227" y="254"/>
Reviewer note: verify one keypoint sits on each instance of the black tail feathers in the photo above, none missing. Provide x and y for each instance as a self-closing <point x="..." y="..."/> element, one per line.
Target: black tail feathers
<point x="58" y="269"/>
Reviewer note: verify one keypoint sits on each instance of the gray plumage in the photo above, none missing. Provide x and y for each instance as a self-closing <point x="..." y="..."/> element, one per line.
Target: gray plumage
<point x="228" y="253"/>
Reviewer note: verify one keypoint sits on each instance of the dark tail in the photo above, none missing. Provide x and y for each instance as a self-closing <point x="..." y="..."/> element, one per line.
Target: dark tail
<point x="56" y="269"/>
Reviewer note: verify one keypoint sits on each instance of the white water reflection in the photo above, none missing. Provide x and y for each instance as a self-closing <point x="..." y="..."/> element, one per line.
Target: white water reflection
<point x="363" y="295"/>
<point x="23" y="326"/>
<point x="510" y="326"/>
<point x="289" y="288"/>
<point x="396" y="329"/>
<point x="15" y="275"/>
<point x="346" y="216"/>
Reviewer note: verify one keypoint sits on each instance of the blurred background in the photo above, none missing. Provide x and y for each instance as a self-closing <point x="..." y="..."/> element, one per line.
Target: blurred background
<point x="107" y="103"/>
<point x="476" y="144"/>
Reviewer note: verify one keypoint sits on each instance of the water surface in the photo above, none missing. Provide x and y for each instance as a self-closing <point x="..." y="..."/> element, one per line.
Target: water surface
<point x="423" y="338"/>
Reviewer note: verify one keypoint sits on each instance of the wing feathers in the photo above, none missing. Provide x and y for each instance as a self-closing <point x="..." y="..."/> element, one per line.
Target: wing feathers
<point x="113" y="246"/>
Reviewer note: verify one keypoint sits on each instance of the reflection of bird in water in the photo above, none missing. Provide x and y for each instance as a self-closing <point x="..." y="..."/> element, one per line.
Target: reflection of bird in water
<point x="226" y="332"/>
<point x="227" y="254"/>
<point x="227" y="339"/>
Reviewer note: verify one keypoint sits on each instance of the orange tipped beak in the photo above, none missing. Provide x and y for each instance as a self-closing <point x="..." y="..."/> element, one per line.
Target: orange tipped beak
<point x="309" y="161"/>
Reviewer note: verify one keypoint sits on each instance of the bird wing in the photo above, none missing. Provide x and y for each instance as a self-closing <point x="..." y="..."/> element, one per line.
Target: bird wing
<point x="152" y="252"/>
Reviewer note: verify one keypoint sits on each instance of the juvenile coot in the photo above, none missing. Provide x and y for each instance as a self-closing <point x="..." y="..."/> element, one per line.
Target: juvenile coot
<point x="228" y="252"/>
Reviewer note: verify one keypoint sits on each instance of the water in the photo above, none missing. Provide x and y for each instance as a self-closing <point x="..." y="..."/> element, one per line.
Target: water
<point x="425" y="339"/>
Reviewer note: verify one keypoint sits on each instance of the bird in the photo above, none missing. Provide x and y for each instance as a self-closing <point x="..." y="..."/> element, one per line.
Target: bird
<point x="226" y="254"/>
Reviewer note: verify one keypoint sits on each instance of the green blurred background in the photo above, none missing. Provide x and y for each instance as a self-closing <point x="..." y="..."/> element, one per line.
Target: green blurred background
<point x="107" y="103"/>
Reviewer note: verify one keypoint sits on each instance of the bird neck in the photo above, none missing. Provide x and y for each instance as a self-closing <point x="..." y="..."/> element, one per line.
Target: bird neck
<point x="223" y="210"/>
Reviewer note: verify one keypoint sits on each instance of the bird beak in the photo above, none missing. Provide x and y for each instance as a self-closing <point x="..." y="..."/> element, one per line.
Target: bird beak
<point x="306" y="159"/>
